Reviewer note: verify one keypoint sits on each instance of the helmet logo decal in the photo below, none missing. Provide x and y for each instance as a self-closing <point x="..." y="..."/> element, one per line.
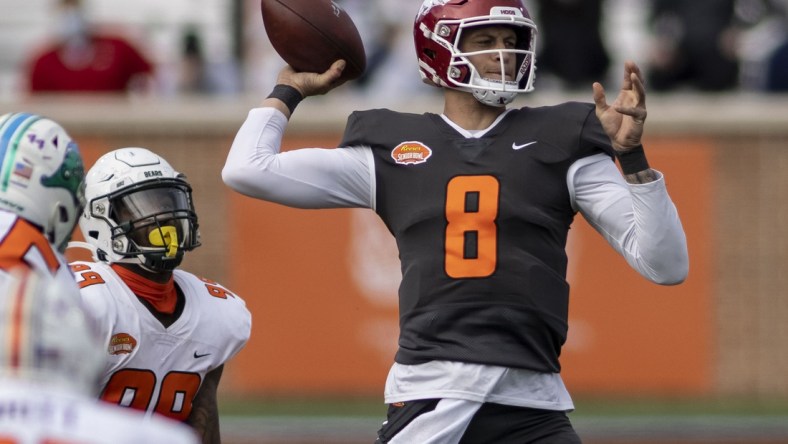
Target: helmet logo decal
<point x="411" y="153"/>
<point x="166" y="236"/>
<point x="156" y="173"/>
<point x="40" y="142"/>
<point x="11" y="133"/>
<point x="70" y="176"/>
<point x="23" y="170"/>
<point x="121" y="344"/>
<point x="504" y="10"/>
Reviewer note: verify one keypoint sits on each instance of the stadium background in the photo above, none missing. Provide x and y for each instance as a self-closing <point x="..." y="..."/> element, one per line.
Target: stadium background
<point x="705" y="361"/>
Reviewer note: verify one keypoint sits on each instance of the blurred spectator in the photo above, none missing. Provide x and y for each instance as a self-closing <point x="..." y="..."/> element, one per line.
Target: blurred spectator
<point x="570" y="42"/>
<point x="777" y="70"/>
<point x="777" y="67"/>
<point x="386" y="27"/>
<point x="377" y="29"/>
<point x="694" y="45"/>
<point x="198" y="75"/>
<point x="193" y="74"/>
<point x="763" y="44"/>
<point x="83" y="60"/>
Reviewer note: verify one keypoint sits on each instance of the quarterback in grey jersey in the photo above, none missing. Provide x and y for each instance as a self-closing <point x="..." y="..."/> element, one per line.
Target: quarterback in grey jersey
<point x="483" y="298"/>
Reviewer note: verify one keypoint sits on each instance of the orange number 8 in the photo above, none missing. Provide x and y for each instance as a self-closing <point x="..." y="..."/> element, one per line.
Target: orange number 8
<point x="471" y="232"/>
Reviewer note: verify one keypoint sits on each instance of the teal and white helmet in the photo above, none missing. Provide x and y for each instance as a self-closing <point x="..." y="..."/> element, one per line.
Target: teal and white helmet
<point x="41" y="175"/>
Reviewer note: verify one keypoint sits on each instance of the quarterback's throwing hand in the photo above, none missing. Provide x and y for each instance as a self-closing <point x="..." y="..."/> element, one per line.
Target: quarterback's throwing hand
<point x="311" y="83"/>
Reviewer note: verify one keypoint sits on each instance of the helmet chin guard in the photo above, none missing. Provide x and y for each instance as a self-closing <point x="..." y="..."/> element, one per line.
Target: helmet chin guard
<point x="139" y="211"/>
<point x="437" y="32"/>
<point x="493" y="93"/>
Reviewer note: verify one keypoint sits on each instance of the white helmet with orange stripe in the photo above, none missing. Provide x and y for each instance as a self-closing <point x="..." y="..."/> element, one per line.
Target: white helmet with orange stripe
<point x="139" y="210"/>
<point x="41" y="175"/>
<point x="47" y="336"/>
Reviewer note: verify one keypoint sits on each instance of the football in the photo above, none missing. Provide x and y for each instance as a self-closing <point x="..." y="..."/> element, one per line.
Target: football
<point x="310" y="35"/>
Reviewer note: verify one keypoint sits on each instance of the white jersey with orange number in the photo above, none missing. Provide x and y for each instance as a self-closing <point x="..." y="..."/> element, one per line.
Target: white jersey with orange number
<point x="22" y="244"/>
<point x="153" y="368"/>
<point x="38" y="414"/>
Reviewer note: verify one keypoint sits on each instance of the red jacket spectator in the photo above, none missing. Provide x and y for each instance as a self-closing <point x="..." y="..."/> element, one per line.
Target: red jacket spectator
<point x="100" y="64"/>
<point x="82" y="60"/>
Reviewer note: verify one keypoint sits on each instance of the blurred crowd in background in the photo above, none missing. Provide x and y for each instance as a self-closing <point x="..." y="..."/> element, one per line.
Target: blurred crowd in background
<point x="218" y="47"/>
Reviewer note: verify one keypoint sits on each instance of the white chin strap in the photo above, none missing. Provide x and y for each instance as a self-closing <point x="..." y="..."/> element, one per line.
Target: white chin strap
<point x="494" y="92"/>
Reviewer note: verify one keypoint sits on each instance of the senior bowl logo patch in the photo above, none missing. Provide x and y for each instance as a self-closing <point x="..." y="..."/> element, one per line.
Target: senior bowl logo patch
<point x="121" y="343"/>
<point x="411" y="153"/>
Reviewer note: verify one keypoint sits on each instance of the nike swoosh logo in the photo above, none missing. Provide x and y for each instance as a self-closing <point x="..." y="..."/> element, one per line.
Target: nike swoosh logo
<point x="196" y="356"/>
<point x="519" y="147"/>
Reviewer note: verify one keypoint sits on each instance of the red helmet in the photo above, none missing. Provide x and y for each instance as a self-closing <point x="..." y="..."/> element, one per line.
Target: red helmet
<point x="437" y="32"/>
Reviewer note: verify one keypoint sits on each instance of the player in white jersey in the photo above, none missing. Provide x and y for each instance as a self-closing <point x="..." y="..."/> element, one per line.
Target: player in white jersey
<point x="49" y="359"/>
<point x="166" y="333"/>
<point x="49" y="354"/>
<point x="41" y="194"/>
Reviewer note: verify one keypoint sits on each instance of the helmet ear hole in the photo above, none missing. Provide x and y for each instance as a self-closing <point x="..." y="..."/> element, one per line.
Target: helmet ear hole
<point x="63" y="213"/>
<point x="93" y="234"/>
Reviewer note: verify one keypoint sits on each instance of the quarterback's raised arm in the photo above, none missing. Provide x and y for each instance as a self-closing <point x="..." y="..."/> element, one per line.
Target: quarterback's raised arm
<point x="303" y="178"/>
<point x="292" y="87"/>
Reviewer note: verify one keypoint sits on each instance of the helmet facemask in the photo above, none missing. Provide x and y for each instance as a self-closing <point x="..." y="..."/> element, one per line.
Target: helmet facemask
<point x="494" y="91"/>
<point x="151" y="223"/>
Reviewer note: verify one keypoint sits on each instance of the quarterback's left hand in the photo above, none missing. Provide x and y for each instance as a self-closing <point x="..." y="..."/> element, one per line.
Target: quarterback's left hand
<point x="623" y="120"/>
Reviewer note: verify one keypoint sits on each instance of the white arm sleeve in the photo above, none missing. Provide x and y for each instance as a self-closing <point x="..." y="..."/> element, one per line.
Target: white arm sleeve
<point x="303" y="178"/>
<point x="639" y="220"/>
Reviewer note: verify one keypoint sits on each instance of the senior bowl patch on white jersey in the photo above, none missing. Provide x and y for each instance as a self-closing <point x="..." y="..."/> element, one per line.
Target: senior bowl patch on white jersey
<point x="121" y="343"/>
